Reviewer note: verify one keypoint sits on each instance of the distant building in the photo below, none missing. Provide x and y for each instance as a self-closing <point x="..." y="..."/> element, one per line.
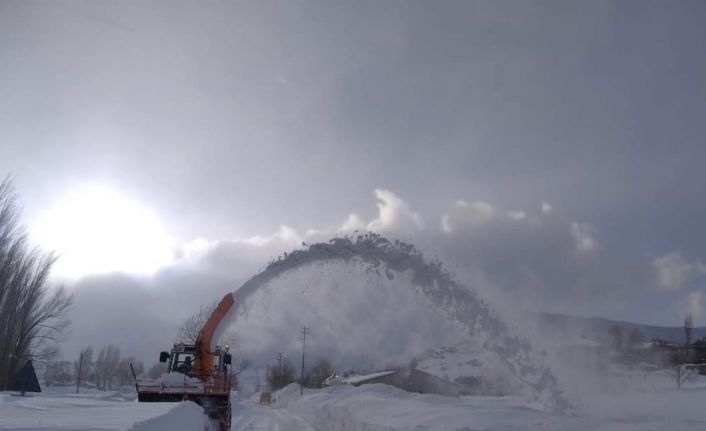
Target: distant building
<point x="414" y="380"/>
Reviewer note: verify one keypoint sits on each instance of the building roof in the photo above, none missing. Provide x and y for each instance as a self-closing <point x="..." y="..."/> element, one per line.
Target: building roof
<point x="360" y="378"/>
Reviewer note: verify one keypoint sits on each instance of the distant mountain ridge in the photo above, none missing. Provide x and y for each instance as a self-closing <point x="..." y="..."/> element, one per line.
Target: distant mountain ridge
<point x="597" y="328"/>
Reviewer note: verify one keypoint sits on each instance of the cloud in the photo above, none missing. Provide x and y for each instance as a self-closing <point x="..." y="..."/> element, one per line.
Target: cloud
<point x="352" y="223"/>
<point x="542" y="260"/>
<point x="394" y="217"/>
<point x="672" y="270"/>
<point x="473" y="212"/>
<point x="231" y="256"/>
<point x="583" y="237"/>
<point x="695" y="306"/>
<point x="235" y="256"/>
<point x="701" y="268"/>
<point x="482" y="220"/>
<point x="394" y="214"/>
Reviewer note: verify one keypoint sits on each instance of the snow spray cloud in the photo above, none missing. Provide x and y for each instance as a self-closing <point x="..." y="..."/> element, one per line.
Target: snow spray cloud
<point x="357" y="314"/>
<point x="359" y="319"/>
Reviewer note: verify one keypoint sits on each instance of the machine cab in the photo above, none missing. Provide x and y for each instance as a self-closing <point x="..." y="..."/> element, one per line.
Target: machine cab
<point x="182" y="358"/>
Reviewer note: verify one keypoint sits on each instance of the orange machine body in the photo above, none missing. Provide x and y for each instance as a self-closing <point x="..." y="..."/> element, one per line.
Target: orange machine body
<point x="214" y="394"/>
<point x="203" y="365"/>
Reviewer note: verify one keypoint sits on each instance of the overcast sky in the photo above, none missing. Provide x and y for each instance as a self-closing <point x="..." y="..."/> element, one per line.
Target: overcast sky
<point x="572" y="132"/>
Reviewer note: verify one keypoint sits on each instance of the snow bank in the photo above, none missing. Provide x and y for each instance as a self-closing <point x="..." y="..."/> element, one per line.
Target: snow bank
<point x="185" y="416"/>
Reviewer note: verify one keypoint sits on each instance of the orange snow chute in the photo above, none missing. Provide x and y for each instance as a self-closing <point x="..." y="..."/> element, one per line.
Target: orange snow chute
<point x="203" y="366"/>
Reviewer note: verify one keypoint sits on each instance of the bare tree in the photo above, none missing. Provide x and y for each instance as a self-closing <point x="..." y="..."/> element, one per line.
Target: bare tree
<point x="58" y="373"/>
<point x="680" y="357"/>
<point x="156" y="370"/>
<point x="106" y="367"/>
<point x="634" y="339"/>
<point x="124" y="373"/>
<point x="281" y="375"/>
<point x="188" y="332"/>
<point x="679" y="366"/>
<point x="242" y="366"/>
<point x="617" y="337"/>
<point x="86" y="366"/>
<point x="32" y="316"/>
<point x="318" y="373"/>
<point x="688" y="328"/>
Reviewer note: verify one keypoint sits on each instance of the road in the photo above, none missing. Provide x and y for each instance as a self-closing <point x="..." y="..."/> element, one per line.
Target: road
<point x="248" y="415"/>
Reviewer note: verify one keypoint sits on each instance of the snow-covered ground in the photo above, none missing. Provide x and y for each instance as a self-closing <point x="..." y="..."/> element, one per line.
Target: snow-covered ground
<point x="652" y="403"/>
<point x="384" y="408"/>
<point x="248" y="415"/>
<point x="61" y="409"/>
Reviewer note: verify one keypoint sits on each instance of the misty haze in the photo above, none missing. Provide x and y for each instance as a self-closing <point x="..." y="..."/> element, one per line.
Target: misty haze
<point x="393" y="215"/>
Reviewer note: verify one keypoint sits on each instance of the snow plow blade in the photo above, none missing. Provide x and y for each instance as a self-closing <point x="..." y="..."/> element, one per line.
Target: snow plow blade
<point x="216" y="406"/>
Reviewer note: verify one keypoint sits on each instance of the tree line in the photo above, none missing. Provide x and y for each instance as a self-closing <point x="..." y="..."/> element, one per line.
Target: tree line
<point x="683" y="359"/>
<point x="283" y="373"/>
<point x="108" y="370"/>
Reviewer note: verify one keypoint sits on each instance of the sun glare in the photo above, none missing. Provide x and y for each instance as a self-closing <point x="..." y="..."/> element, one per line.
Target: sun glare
<point x="97" y="230"/>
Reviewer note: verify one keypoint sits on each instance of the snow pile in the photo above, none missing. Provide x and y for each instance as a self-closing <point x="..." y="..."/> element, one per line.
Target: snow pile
<point x="185" y="416"/>
<point x="371" y="303"/>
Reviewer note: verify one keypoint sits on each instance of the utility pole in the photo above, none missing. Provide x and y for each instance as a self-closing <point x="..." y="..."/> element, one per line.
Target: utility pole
<point x="304" y="332"/>
<point x="80" y="365"/>
<point x="279" y="359"/>
<point x="267" y="379"/>
<point x="277" y="380"/>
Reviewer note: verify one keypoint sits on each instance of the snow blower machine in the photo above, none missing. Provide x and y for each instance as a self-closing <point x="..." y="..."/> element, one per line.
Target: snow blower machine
<point x="197" y="372"/>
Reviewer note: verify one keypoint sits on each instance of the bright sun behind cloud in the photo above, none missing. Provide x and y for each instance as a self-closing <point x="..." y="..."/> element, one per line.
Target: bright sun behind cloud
<point x="97" y="230"/>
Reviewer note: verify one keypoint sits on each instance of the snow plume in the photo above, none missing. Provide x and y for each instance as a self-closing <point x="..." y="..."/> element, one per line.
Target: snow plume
<point x="370" y="300"/>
